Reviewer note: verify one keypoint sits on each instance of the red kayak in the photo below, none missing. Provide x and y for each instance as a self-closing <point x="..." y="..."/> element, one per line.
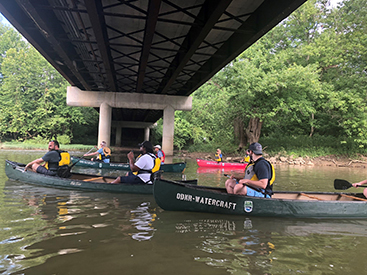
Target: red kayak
<point x="219" y="170"/>
<point x="226" y="165"/>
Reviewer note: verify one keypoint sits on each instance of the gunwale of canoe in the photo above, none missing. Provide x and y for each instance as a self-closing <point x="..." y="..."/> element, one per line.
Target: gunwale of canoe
<point x="301" y="195"/>
<point x="317" y="197"/>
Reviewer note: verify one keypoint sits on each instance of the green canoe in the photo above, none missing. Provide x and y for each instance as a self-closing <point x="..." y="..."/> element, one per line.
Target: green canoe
<point x="15" y="171"/>
<point x="176" y="196"/>
<point x="173" y="167"/>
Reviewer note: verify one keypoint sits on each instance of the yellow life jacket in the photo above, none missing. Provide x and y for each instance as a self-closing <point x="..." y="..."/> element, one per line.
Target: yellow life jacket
<point x="106" y="154"/>
<point x="247" y="159"/>
<point x="156" y="167"/>
<point x="65" y="158"/>
<point x="54" y="166"/>
<point x="63" y="170"/>
<point x="250" y="174"/>
<point x="218" y="157"/>
<point x="64" y="165"/>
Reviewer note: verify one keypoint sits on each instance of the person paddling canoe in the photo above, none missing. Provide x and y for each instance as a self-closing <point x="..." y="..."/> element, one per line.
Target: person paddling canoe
<point x="363" y="182"/>
<point x="103" y="153"/>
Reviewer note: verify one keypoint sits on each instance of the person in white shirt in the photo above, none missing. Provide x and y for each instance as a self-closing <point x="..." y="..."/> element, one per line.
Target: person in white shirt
<point x="141" y="168"/>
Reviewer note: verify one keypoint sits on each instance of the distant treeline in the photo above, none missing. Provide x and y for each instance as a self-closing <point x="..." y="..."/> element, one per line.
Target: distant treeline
<point x="303" y="81"/>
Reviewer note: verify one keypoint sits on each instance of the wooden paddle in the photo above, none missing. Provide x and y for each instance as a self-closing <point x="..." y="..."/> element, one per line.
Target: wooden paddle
<point x="344" y="184"/>
<point x="80" y="158"/>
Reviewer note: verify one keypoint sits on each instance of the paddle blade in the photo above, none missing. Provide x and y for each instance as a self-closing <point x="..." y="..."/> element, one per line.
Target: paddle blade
<point x="342" y="184"/>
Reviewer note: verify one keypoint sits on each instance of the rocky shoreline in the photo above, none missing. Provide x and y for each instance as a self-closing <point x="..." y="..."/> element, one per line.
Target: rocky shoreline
<point x="334" y="161"/>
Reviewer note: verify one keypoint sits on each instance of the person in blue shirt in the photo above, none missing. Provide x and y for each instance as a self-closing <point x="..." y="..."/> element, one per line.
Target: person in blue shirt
<point x="103" y="153"/>
<point x="218" y="155"/>
<point x="159" y="153"/>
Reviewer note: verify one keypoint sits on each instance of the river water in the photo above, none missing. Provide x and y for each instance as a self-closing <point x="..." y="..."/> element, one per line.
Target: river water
<point x="53" y="231"/>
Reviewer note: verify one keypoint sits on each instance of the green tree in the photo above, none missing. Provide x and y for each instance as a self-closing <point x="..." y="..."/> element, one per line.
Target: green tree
<point x="34" y="98"/>
<point x="9" y="39"/>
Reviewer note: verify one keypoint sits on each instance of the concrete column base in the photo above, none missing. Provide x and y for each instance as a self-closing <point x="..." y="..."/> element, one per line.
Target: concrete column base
<point x="104" y="128"/>
<point x="168" y="130"/>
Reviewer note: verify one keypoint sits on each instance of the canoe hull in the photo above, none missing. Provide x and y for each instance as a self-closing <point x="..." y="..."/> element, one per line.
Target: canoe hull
<point x="174" y="167"/>
<point x="174" y="196"/>
<point x="215" y="164"/>
<point x="15" y="171"/>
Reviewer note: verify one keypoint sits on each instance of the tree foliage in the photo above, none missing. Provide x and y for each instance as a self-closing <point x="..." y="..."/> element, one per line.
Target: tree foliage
<point x="307" y="76"/>
<point x="33" y="94"/>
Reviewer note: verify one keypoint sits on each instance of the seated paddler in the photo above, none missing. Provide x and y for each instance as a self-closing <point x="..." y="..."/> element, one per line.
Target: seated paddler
<point x="144" y="168"/>
<point x="246" y="158"/>
<point x="49" y="163"/>
<point x="103" y="153"/>
<point x="218" y="155"/>
<point x="259" y="176"/>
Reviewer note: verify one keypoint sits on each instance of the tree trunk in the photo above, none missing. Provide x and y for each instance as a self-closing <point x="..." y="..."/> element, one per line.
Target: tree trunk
<point x="312" y="128"/>
<point x="253" y="130"/>
<point x="239" y="133"/>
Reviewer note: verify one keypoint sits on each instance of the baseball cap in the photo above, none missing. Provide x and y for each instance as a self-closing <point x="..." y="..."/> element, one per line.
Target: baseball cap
<point x="158" y="146"/>
<point x="256" y="148"/>
<point x="146" y="144"/>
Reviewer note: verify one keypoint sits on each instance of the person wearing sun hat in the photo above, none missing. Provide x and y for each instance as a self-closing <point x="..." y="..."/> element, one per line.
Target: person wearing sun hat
<point x="259" y="176"/>
<point x="103" y="153"/>
<point x="159" y="153"/>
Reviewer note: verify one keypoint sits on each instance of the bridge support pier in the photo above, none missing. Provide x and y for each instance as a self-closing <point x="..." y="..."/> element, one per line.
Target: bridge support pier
<point x="106" y="101"/>
<point x="168" y="130"/>
<point x="104" y="127"/>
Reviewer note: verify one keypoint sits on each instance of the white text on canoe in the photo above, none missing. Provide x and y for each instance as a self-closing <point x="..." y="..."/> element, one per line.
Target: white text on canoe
<point x="207" y="201"/>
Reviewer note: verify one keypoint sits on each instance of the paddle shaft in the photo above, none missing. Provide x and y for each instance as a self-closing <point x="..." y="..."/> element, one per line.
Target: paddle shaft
<point x="80" y="158"/>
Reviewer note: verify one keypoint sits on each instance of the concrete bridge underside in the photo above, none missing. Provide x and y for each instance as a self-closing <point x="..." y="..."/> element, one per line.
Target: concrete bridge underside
<point x="105" y="101"/>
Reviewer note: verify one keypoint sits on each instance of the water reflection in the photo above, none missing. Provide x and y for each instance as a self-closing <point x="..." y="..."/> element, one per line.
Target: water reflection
<point x="48" y="222"/>
<point x="142" y="220"/>
<point x="268" y="246"/>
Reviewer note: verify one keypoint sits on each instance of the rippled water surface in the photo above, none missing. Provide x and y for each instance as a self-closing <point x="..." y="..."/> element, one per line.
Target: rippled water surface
<point x="53" y="231"/>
